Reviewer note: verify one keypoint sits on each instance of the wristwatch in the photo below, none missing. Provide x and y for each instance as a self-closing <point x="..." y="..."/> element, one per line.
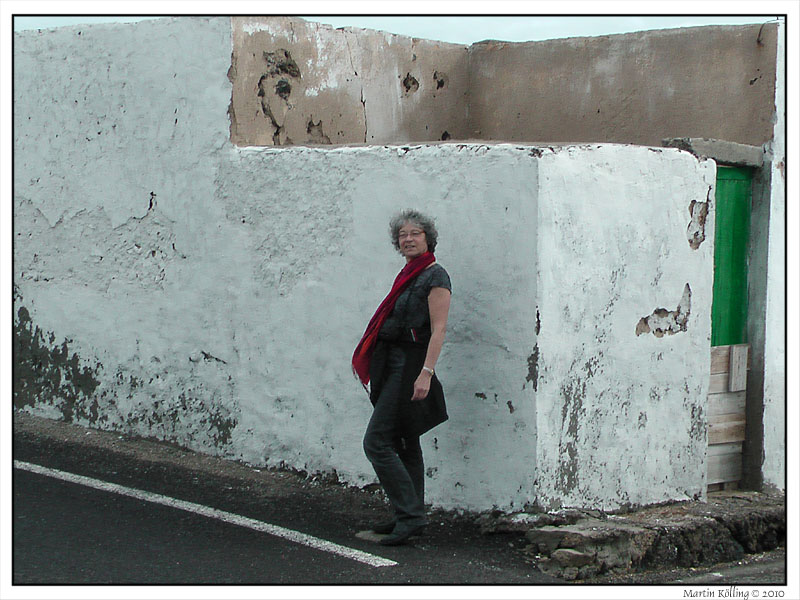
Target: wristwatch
<point x="428" y="369"/>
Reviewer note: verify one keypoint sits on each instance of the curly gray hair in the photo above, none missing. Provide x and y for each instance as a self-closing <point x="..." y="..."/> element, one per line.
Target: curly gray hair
<point x="417" y="218"/>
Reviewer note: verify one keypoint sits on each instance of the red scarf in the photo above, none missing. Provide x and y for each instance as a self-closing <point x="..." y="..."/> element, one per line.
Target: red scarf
<point x="363" y="352"/>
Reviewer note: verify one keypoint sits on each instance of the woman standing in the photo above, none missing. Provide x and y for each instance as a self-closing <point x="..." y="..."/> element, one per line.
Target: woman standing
<point x="397" y="356"/>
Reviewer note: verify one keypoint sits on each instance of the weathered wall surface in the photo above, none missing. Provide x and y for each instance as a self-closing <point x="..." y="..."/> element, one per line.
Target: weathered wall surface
<point x="774" y="416"/>
<point x="117" y="135"/>
<point x="757" y="265"/>
<point x="131" y="118"/>
<point x="299" y="82"/>
<point x="715" y="82"/>
<point x="240" y="345"/>
<point x="318" y="262"/>
<point x="624" y="291"/>
<point x="764" y="450"/>
<point x="170" y="284"/>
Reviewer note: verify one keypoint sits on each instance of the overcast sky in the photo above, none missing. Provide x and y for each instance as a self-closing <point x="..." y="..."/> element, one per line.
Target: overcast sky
<point x="466" y="29"/>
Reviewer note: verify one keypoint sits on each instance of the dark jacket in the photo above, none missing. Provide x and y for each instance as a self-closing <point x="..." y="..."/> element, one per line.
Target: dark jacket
<point x="414" y="417"/>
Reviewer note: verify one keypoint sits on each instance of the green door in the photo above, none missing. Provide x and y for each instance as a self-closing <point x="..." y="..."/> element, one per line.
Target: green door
<point x="732" y="232"/>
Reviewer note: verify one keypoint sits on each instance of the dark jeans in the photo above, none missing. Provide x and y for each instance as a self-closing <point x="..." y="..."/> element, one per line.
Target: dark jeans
<point x="397" y="460"/>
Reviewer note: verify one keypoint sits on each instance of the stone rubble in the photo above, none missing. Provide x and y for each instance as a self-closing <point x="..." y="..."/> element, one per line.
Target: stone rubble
<point x="576" y="545"/>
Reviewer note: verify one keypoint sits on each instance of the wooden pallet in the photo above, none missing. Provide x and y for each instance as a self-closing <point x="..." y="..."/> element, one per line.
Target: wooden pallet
<point x="726" y="415"/>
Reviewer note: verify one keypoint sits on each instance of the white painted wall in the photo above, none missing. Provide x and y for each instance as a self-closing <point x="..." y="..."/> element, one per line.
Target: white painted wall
<point x="309" y="228"/>
<point x="774" y="419"/>
<point x="621" y="416"/>
<point x="223" y="315"/>
<point x="108" y="120"/>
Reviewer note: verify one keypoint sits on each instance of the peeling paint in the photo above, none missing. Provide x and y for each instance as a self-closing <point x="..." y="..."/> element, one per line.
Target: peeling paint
<point x="696" y="231"/>
<point x="251" y="28"/>
<point x="698" y="430"/>
<point x="266" y="109"/>
<point x="572" y="394"/>
<point x="278" y="65"/>
<point x="665" y="322"/>
<point x="46" y="373"/>
<point x="533" y="368"/>
<point x="49" y="374"/>
<point x="171" y="419"/>
<point x="280" y="62"/>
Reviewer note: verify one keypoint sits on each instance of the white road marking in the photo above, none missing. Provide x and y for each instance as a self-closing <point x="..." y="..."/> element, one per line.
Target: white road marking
<point x="212" y="513"/>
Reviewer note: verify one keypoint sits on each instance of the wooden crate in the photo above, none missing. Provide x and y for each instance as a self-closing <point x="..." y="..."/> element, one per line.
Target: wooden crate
<point x="726" y="415"/>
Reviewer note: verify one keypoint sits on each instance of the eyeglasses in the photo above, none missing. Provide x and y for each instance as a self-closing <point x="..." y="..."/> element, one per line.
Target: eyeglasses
<point x="413" y="233"/>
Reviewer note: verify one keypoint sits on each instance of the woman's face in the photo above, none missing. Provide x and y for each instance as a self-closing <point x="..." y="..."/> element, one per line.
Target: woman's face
<point x="412" y="241"/>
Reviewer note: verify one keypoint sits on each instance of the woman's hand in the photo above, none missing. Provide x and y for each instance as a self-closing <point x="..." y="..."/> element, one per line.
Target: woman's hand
<point x="422" y="386"/>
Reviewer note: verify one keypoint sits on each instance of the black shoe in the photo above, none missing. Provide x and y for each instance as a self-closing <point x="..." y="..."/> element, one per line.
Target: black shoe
<point x="384" y="527"/>
<point x="396" y="538"/>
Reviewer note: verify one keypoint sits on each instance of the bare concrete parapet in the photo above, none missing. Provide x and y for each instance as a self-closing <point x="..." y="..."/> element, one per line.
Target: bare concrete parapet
<point x="729" y="153"/>
<point x="640" y="87"/>
<point x="297" y="82"/>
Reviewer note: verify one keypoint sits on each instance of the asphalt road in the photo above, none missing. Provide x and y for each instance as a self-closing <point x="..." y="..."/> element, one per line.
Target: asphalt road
<point x="65" y="533"/>
<point x="768" y="569"/>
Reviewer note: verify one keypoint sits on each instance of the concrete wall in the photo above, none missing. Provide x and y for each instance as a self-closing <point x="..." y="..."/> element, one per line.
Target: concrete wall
<point x="118" y="131"/>
<point x="715" y="82"/>
<point x="624" y="294"/>
<point x="361" y="86"/>
<point x="765" y="444"/>
<point x="299" y="82"/>
<point x="171" y="284"/>
<point x="774" y="415"/>
<point x="168" y="284"/>
<point x="319" y="262"/>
